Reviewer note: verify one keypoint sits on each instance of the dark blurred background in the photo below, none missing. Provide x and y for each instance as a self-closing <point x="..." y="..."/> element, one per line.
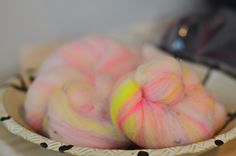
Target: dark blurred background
<point x="208" y="36"/>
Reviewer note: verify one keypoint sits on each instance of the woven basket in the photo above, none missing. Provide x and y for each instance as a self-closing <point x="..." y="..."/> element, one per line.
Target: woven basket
<point x="220" y="83"/>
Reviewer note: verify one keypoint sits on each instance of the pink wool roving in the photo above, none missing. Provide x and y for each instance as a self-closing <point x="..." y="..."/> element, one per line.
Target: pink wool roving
<point x="69" y="98"/>
<point x="40" y="91"/>
<point x="94" y="55"/>
<point x="163" y="104"/>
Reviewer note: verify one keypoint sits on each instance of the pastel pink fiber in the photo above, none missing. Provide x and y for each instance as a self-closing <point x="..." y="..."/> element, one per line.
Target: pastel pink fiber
<point x="69" y="98"/>
<point x="163" y="104"/>
<point x="40" y="91"/>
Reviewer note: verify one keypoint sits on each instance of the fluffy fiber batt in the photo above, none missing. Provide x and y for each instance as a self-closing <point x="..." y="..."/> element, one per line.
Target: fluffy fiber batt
<point x="79" y="114"/>
<point x="164" y="104"/>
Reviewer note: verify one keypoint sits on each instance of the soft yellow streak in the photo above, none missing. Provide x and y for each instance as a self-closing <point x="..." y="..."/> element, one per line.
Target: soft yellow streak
<point x="125" y="90"/>
<point x="69" y="115"/>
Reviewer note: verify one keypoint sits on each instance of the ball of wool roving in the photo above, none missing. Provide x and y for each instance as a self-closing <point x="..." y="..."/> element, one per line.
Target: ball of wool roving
<point x="96" y="62"/>
<point x="163" y="104"/>
<point x="64" y="105"/>
<point x="101" y="60"/>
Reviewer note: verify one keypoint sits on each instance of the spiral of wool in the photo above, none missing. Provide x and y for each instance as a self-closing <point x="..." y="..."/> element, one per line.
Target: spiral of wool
<point x="69" y="98"/>
<point x="163" y="104"/>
